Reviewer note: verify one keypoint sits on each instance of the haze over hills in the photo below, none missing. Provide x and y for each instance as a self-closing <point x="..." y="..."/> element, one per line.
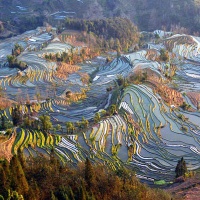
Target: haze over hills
<point x="21" y="15"/>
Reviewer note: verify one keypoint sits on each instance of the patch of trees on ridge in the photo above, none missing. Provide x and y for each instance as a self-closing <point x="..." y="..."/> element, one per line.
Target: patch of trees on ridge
<point x="12" y="59"/>
<point x="119" y="33"/>
<point x="45" y="178"/>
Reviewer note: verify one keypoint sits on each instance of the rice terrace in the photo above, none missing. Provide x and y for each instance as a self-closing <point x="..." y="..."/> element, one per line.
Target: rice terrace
<point x="136" y="107"/>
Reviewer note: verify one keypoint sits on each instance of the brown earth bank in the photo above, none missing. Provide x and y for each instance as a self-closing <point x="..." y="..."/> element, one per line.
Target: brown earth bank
<point x="5" y="103"/>
<point x="64" y="70"/>
<point x="187" y="190"/>
<point x="6" y="147"/>
<point x="194" y="97"/>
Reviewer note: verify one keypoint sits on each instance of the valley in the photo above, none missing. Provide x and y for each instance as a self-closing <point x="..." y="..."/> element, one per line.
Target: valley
<point x="131" y="113"/>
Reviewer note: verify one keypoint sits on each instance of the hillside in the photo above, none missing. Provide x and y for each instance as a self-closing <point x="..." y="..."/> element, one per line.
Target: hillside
<point x="187" y="190"/>
<point x="119" y="107"/>
<point x="22" y="15"/>
<point x="98" y="91"/>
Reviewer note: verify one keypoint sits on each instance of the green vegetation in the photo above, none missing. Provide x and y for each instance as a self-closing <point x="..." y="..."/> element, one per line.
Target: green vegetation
<point x="14" y="63"/>
<point x="46" y="124"/>
<point x="112" y="109"/>
<point x="12" y="59"/>
<point x="97" y="117"/>
<point x="70" y="127"/>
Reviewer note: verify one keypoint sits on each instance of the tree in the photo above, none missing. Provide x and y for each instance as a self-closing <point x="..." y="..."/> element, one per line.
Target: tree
<point x="27" y="122"/>
<point x="181" y="168"/>
<point x="16" y="116"/>
<point x="58" y="127"/>
<point x="89" y="174"/>
<point x="70" y="127"/>
<point x="84" y="123"/>
<point x="97" y="117"/>
<point x="18" y="179"/>
<point x="112" y="109"/>
<point x="46" y="124"/>
<point x="3" y="126"/>
<point x="185" y="106"/>
<point x="120" y="80"/>
<point x="17" y="49"/>
<point x="164" y="55"/>
<point x="11" y="59"/>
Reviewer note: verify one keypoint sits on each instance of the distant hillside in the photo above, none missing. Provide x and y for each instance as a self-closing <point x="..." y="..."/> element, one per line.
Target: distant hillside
<point x="149" y="15"/>
<point x="153" y="14"/>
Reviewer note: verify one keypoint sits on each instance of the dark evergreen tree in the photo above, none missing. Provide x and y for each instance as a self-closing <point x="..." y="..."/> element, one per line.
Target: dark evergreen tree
<point x="181" y="168"/>
<point x="16" y="116"/>
<point x="3" y="126"/>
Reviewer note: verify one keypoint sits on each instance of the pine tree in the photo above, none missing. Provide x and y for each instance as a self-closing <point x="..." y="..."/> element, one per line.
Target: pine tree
<point x="18" y="179"/>
<point x="181" y="168"/>
<point x="89" y="174"/>
<point x="16" y="116"/>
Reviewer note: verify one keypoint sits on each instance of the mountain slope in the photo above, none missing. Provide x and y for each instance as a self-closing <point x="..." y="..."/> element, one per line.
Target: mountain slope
<point x="147" y="14"/>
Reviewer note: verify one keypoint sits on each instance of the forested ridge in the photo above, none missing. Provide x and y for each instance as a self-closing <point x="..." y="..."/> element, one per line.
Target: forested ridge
<point x="43" y="178"/>
<point x="117" y="33"/>
<point x="147" y="15"/>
